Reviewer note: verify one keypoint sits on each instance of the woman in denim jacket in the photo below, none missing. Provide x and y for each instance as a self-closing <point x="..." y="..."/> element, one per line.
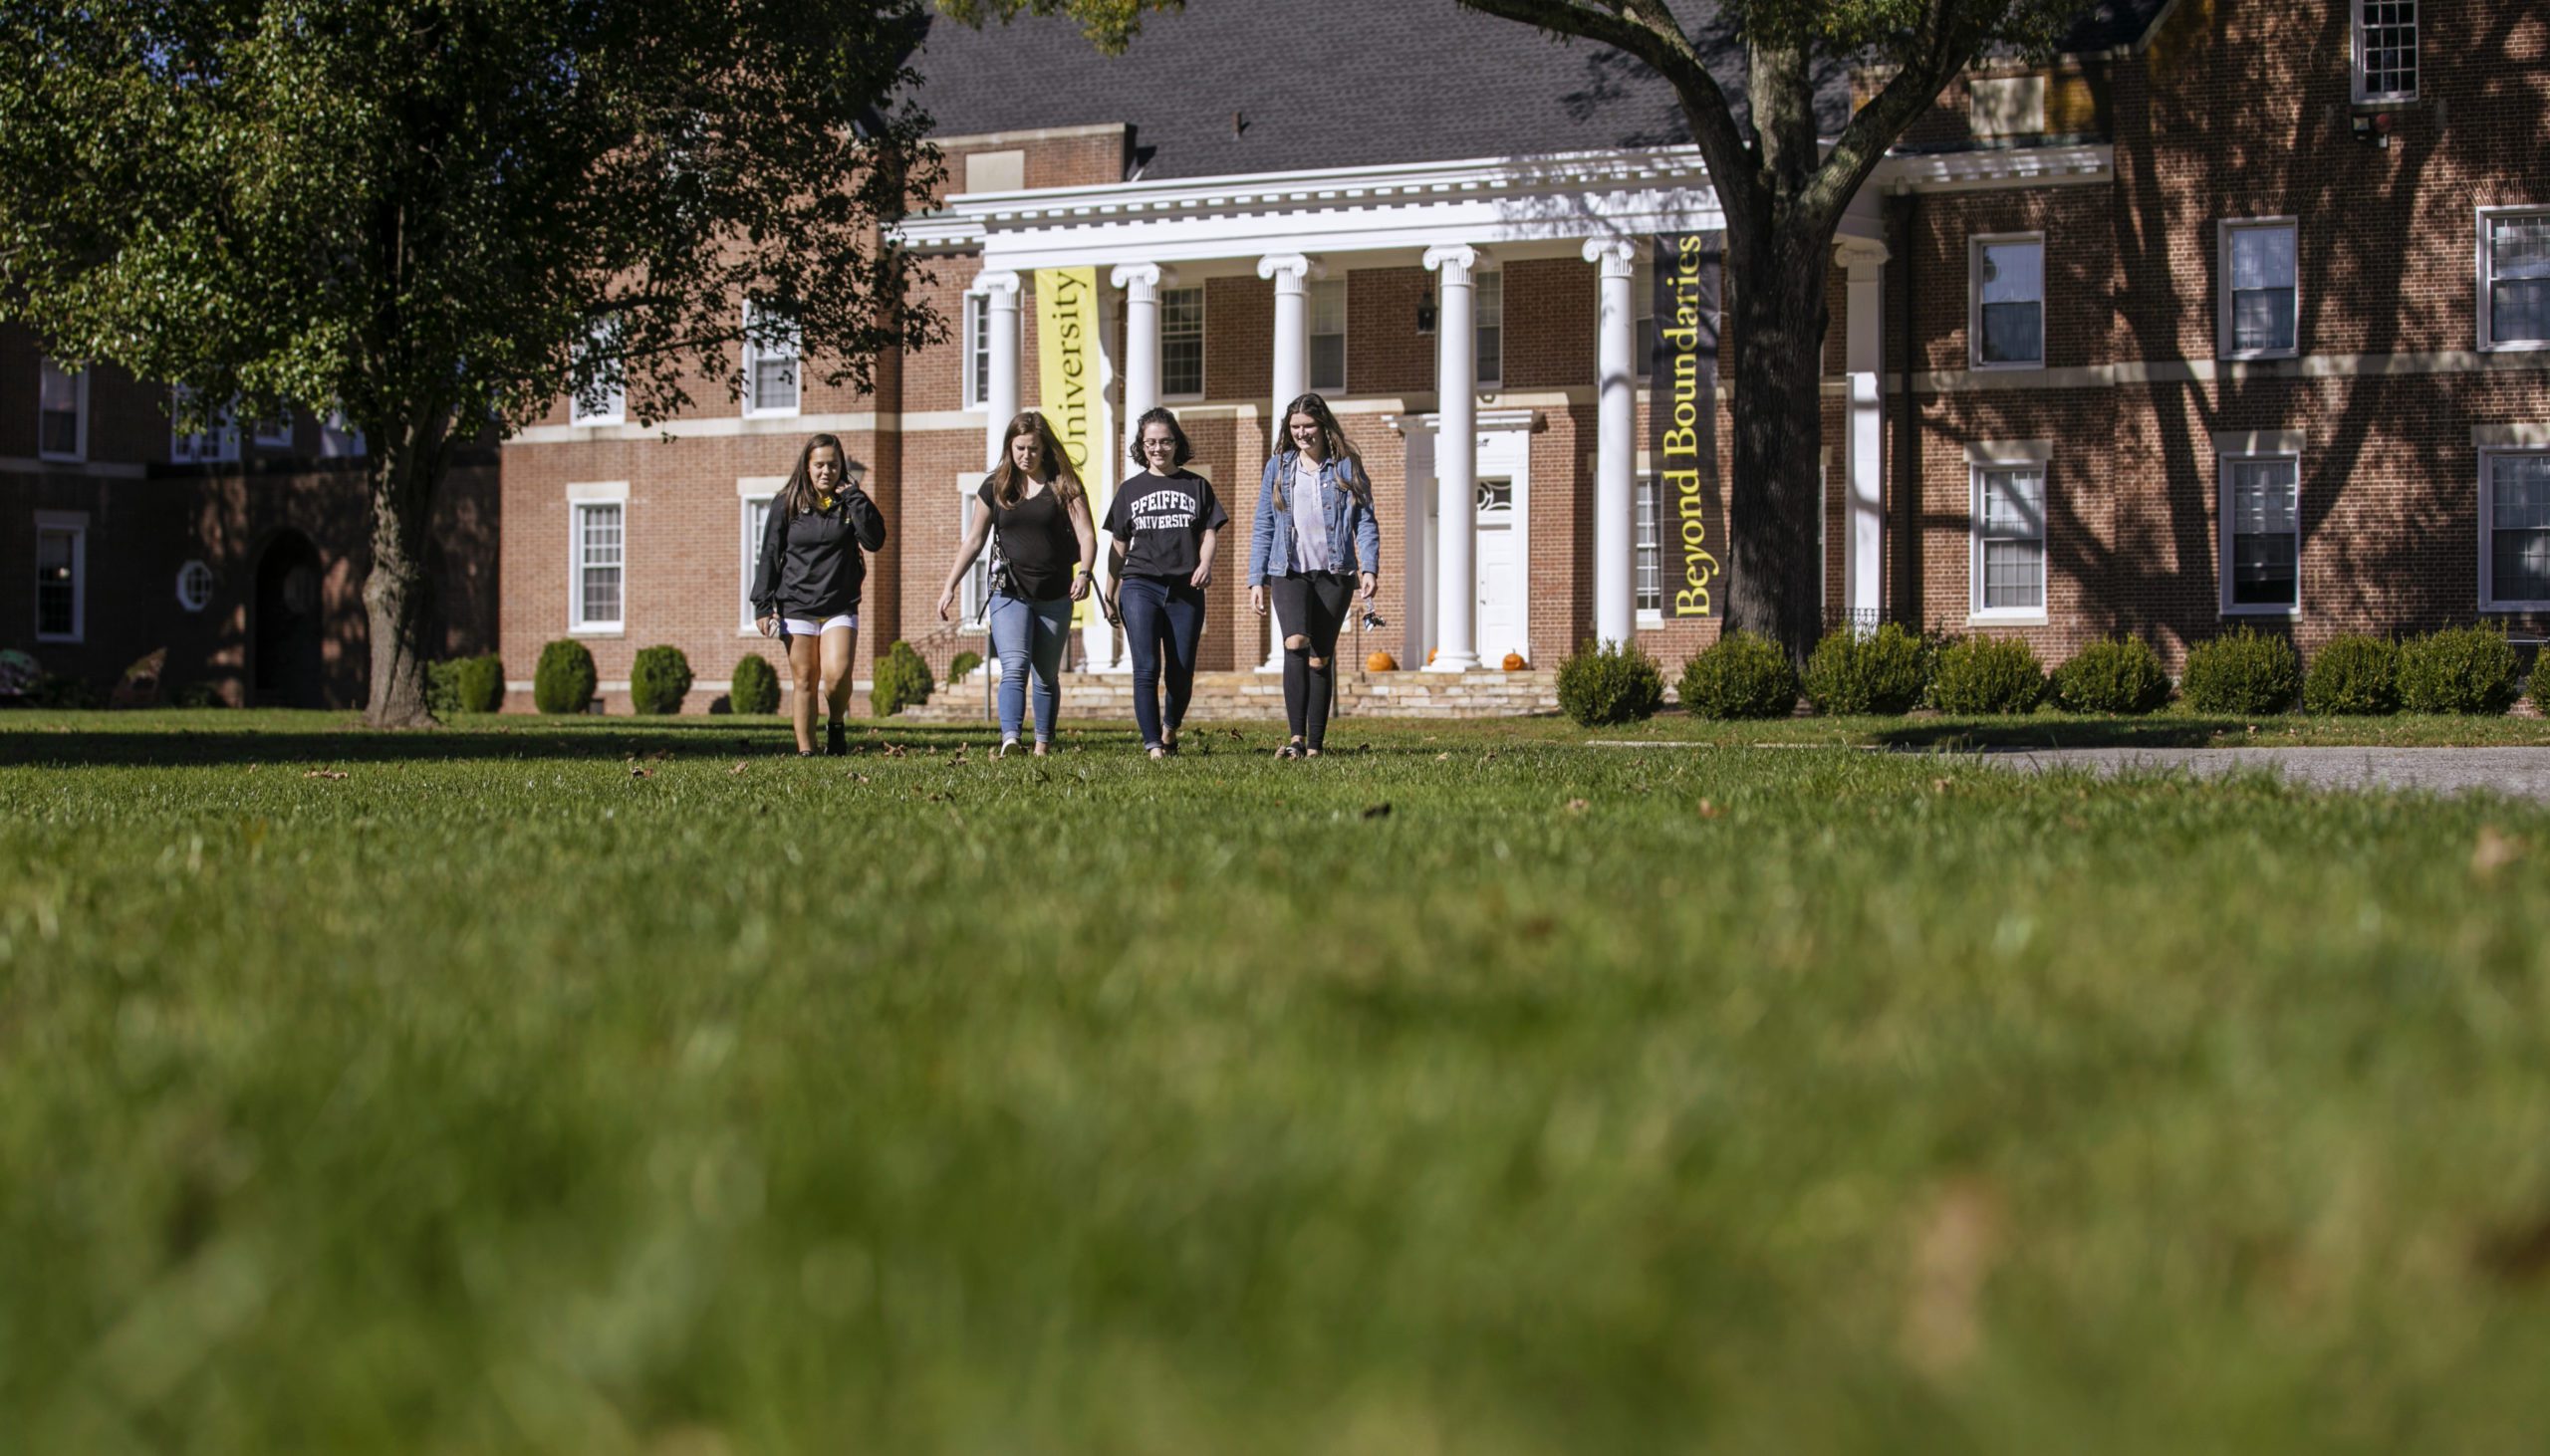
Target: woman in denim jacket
<point x="1315" y="544"/>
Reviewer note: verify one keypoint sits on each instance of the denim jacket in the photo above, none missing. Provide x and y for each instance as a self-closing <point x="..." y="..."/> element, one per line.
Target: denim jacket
<point x="1354" y="537"/>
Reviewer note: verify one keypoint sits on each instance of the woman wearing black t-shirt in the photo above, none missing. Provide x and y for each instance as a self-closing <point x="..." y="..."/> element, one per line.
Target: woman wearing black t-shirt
<point x="1166" y="522"/>
<point x="1034" y="500"/>
<point x="808" y="580"/>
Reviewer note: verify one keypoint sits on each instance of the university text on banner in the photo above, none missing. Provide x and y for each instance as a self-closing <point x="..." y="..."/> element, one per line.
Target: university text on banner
<point x="1067" y="359"/>
<point x="1682" y="408"/>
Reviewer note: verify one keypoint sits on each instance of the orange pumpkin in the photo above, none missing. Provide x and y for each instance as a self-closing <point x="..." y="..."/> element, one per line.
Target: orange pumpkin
<point x="1380" y="662"/>
<point x="1429" y="655"/>
<point x="1514" y="662"/>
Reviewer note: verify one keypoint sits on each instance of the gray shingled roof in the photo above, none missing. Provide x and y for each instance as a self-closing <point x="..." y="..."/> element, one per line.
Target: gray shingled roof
<point x="1344" y="83"/>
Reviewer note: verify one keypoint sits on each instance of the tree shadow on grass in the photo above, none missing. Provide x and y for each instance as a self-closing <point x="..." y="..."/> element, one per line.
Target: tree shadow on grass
<point x="331" y="738"/>
<point x="2020" y="734"/>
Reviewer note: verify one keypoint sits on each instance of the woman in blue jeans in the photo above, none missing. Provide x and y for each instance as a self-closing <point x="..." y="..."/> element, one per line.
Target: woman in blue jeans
<point x="1166" y="522"/>
<point x="1033" y="507"/>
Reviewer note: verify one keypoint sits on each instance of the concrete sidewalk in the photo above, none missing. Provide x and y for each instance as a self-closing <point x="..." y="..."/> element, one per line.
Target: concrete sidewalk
<point x="2519" y="772"/>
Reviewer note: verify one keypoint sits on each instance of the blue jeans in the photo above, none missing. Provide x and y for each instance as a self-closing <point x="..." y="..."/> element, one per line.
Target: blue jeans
<point x="1026" y="634"/>
<point x="1160" y="612"/>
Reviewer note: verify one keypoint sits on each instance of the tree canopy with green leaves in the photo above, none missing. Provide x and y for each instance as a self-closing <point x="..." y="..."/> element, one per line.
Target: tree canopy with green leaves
<point x="1783" y="186"/>
<point x="435" y="215"/>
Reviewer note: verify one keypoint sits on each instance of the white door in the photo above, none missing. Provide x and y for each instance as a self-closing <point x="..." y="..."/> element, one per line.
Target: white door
<point x="1504" y="576"/>
<point x="1504" y="499"/>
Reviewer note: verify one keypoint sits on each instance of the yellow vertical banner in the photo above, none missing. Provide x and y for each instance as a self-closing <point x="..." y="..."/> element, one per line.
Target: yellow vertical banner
<point x="1067" y="377"/>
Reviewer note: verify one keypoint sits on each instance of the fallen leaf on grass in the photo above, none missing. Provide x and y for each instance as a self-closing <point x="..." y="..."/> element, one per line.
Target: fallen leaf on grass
<point x="642" y="772"/>
<point x="2493" y="852"/>
<point x="1953" y="1250"/>
<point x="1578" y="806"/>
<point x="863" y="778"/>
<point x="1709" y="810"/>
<point x="893" y="750"/>
<point x="1377" y="810"/>
<point x="1438" y="758"/>
<point x="738" y="768"/>
<point x="324" y="774"/>
<point x="1941" y="786"/>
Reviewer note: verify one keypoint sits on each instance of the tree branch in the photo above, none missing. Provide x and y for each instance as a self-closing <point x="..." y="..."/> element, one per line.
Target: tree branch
<point x="1647" y="30"/>
<point x="1947" y="41"/>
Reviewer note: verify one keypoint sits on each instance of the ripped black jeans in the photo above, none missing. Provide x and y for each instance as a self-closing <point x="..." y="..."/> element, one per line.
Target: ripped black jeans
<point x="1312" y="605"/>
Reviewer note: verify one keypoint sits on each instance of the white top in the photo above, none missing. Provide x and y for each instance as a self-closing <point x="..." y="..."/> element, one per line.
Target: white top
<point x="1310" y="523"/>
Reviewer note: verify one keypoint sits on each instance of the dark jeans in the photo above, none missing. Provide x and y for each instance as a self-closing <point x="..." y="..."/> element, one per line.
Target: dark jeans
<point x="1310" y="604"/>
<point x="1163" y="623"/>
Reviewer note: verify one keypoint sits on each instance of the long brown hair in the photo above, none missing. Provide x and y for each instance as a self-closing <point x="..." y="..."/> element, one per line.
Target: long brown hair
<point x="1332" y="445"/>
<point x="1009" y="483"/>
<point x="797" y="498"/>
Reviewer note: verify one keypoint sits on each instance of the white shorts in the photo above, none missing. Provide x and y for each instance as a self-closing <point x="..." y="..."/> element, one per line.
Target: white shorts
<point x="799" y="627"/>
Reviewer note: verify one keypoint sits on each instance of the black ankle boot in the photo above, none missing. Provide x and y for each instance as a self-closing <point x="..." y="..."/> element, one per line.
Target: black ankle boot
<point x="835" y="741"/>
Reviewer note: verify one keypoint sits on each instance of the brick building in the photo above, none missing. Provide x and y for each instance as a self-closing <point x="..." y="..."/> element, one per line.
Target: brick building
<point x="2232" y="312"/>
<point x="240" y="551"/>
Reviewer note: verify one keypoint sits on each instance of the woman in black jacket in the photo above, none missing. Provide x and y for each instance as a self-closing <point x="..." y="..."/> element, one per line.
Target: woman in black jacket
<point x="806" y="586"/>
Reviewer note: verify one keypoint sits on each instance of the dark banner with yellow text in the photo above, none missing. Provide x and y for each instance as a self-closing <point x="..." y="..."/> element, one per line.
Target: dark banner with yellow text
<point x="1682" y="411"/>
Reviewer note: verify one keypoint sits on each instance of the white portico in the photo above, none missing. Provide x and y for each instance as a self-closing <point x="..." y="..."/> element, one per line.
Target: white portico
<point x="1456" y="220"/>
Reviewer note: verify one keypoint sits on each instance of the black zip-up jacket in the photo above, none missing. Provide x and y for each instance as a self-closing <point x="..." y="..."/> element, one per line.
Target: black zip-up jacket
<point x="810" y="563"/>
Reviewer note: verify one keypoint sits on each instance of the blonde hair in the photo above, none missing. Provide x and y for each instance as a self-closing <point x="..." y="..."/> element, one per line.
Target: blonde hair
<point x="1009" y="483"/>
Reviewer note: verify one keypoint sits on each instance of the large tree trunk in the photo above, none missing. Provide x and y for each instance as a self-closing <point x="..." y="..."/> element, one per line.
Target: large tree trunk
<point x="1776" y="323"/>
<point x="397" y="598"/>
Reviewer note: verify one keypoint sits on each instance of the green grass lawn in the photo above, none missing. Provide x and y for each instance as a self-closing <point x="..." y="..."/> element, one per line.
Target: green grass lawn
<point x="605" y="1085"/>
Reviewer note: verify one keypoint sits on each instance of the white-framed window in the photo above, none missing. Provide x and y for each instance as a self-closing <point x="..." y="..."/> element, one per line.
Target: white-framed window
<point x="977" y="381"/>
<point x="753" y="503"/>
<point x="772" y="350"/>
<point x="2514" y="277"/>
<point x="337" y="438"/>
<point x="1487" y="299"/>
<point x="603" y="399"/>
<point x="2514" y="529"/>
<point x="976" y="587"/>
<point x="62" y="576"/>
<point x="2008" y="568"/>
<point x="195" y="586"/>
<point x="597" y="559"/>
<point x="61" y="413"/>
<point x="2386" y="50"/>
<point x="1646" y="549"/>
<point x="2262" y="534"/>
<point x="215" y="442"/>
<point x="2260" y="293"/>
<point x="274" y="433"/>
<point x="1182" y="342"/>
<point x="1327" y="300"/>
<point x="2006" y="298"/>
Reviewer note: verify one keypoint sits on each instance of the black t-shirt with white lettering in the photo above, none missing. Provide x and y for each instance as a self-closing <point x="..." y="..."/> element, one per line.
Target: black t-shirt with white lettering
<point x="1162" y="520"/>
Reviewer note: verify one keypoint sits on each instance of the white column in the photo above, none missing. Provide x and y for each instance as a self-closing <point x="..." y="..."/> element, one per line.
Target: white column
<point x="1864" y="526"/>
<point x="1000" y="327"/>
<point x="1292" y="274"/>
<point x="1142" y="283"/>
<point x="1455" y="461"/>
<point x="1615" y="499"/>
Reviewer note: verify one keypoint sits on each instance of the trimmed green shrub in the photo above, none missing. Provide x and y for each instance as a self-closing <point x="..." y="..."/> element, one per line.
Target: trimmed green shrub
<point x="198" y="695"/>
<point x="466" y="685"/>
<point x="1740" y="675"/>
<point x="903" y="680"/>
<point x="1987" y="675"/>
<point x="2353" y="674"/>
<point x="756" y="686"/>
<point x="564" y="681"/>
<point x="64" y="690"/>
<point x="658" y="679"/>
<point x="967" y="661"/>
<point x="1884" y="671"/>
<point x="1610" y="682"/>
<point x="2462" y="670"/>
<point x="2243" y="673"/>
<point x="2119" y="676"/>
